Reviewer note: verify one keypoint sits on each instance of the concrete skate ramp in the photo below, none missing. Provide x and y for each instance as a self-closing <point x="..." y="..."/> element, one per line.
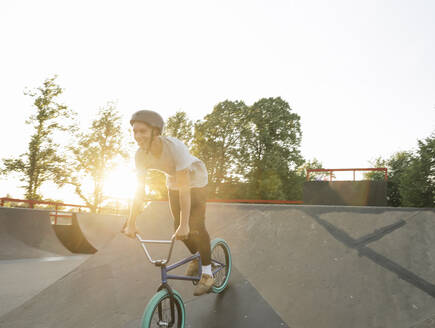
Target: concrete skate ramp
<point x="27" y="233"/>
<point x="310" y="266"/>
<point x="89" y="232"/>
<point x="328" y="266"/>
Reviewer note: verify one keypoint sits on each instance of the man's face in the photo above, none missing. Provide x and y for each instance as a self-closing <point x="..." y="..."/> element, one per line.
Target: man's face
<point x="142" y="133"/>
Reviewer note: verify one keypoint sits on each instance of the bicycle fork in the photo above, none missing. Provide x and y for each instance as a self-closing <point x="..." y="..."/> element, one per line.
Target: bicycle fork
<point x="165" y="285"/>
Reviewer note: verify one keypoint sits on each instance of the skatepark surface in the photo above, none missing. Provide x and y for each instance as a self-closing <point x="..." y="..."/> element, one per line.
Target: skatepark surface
<point x="294" y="266"/>
<point x="87" y="232"/>
<point x="27" y="233"/>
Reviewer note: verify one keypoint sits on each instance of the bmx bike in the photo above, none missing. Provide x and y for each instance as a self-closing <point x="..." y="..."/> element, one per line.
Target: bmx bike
<point x="166" y="307"/>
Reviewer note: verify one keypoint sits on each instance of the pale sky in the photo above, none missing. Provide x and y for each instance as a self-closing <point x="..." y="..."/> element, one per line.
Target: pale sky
<point x="361" y="74"/>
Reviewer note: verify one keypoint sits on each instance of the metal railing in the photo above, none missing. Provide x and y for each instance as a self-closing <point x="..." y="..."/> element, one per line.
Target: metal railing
<point x="56" y="206"/>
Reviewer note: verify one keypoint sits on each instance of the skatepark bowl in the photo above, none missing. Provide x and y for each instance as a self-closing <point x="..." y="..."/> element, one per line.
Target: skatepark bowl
<point x="293" y="266"/>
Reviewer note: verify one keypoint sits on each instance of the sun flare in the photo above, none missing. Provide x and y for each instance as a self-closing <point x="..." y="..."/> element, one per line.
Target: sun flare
<point x="121" y="183"/>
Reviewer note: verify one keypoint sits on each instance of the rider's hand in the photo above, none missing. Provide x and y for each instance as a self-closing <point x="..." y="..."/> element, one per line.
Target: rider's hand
<point x="124" y="226"/>
<point x="130" y="231"/>
<point x="181" y="233"/>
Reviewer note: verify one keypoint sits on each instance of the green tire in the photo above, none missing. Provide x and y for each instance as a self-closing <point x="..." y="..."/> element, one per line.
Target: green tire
<point x="152" y="309"/>
<point x="220" y="251"/>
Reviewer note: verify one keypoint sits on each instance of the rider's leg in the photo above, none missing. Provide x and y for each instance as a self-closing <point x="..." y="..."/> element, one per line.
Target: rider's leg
<point x="199" y="240"/>
<point x="200" y="237"/>
<point x="174" y="203"/>
<point x="192" y="269"/>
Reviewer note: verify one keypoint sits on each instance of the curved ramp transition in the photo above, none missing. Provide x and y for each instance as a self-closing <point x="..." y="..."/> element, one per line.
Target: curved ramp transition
<point x="27" y="233"/>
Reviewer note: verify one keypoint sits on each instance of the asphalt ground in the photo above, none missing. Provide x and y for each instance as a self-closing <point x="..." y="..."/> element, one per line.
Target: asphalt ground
<point x="22" y="279"/>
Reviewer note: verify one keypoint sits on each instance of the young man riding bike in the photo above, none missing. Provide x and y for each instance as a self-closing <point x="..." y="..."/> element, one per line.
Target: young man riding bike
<point x="186" y="180"/>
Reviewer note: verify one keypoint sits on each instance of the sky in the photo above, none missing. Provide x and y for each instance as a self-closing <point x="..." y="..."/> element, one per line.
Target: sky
<point x="361" y="74"/>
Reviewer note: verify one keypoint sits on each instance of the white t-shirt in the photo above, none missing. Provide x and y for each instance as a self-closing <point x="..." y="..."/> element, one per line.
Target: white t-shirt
<point x="175" y="156"/>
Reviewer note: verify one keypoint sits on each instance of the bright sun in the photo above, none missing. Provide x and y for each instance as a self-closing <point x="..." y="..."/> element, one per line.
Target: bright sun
<point x="121" y="182"/>
<point x="119" y="186"/>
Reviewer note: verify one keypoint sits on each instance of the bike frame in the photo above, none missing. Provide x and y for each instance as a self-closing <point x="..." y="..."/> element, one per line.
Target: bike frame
<point x="163" y="263"/>
<point x="164" y="269"/>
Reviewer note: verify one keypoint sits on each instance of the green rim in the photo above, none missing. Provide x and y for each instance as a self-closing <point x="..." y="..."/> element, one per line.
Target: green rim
<point x="215" y="243"/>
<point x="153" y="303"/>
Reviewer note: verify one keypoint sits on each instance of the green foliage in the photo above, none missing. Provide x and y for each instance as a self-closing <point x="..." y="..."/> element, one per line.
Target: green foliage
<point x="417" y="183"/>
<point x="270" y="149"/>
<point x="376" y="175"/>
<point x="397" y="165"/>
<point x="180" y="127"/>
<point x="312" y="165"/>
<point x="298" y="177"/>
<point x="411" y="176"/>
<point x="43" y="161"/>
<point x="95" y="154"/>
<point x="251" y="152"/>
<point x="217" y="142"/>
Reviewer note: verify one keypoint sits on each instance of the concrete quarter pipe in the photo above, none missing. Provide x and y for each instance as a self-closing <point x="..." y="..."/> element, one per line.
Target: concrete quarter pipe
<point x="27" y="233"/>
<point x="88" y="232"/>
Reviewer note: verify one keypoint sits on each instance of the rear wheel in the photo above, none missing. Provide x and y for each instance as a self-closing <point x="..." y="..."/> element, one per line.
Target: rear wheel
<point x="221" y="264"/>
<point x="158" y="311"/>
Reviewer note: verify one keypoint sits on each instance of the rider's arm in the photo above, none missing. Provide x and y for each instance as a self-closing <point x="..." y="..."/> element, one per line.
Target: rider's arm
<point x="137" y="205"/>
<point x="183" y="183"/>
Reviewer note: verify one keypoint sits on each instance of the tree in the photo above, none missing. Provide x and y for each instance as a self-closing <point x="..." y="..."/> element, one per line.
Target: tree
<point x="396" y="165"/>
<point x="96" y="154"/>
<point x="411" y="175"/>
<point x="217" y="142"/>
<point x="417" y="182"/>
<point x="312" y="165"/>
<point x="377" y="175"/>
<point x="180" y="127"/>
<point x="270" y="149"/>
<point x="43" y="160"/>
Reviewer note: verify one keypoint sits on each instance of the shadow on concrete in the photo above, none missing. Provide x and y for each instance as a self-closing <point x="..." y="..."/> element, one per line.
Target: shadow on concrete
<point x="363" y="250"/>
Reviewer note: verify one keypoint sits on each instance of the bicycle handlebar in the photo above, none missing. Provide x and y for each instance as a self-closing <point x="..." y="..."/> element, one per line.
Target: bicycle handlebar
<point x="145" y="241"/>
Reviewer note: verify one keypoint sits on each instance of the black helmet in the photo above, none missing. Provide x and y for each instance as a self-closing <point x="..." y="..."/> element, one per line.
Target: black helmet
<point x="149" y="117"/>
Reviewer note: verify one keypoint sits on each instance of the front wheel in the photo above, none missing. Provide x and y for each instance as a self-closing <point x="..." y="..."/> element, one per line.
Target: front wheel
<point x="158" y="311"/>
<point x="221" y="264"/>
